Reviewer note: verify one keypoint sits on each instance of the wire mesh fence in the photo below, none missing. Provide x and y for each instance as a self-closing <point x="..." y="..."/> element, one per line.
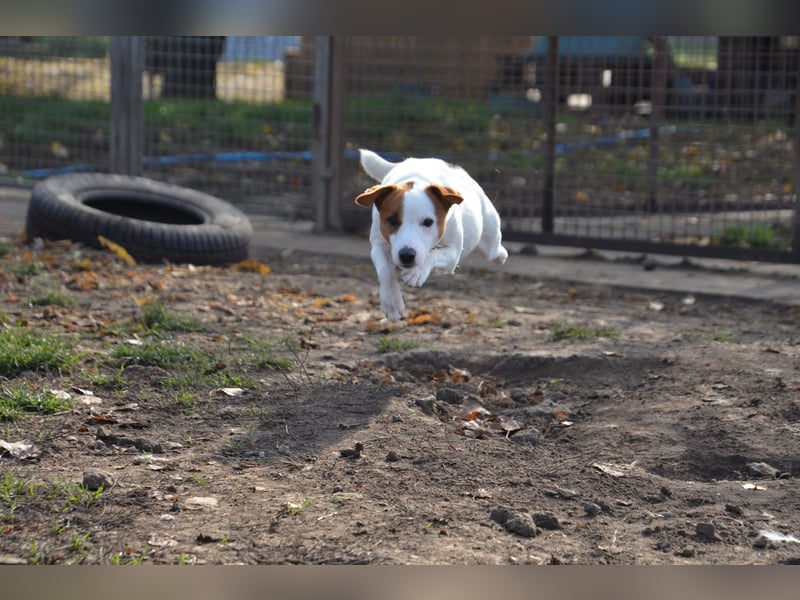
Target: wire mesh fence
<point x="678" y="144"/>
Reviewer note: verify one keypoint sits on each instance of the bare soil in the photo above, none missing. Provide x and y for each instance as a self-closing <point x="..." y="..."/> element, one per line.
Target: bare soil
<point x="516" y="421"/>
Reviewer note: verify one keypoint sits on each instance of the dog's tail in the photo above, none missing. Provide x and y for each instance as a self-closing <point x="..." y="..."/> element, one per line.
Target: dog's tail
<point x="375" y="166"/>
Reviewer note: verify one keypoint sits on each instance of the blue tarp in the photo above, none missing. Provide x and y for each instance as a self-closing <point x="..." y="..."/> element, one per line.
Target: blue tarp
<point x="593" y="46"/>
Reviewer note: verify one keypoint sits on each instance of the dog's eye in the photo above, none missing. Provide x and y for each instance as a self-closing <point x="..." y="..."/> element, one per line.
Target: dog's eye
<point x="393" y="221"/>
<point x="427" y="222"/>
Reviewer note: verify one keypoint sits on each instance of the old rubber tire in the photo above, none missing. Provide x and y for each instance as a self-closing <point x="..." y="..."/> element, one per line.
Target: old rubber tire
<point x="153" y="221"/>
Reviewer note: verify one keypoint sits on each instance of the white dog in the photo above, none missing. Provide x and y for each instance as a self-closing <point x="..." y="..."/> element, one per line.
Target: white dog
<point x="426" y="215"/>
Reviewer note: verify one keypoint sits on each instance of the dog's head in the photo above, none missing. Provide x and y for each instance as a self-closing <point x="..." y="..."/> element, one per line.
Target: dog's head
<point x="412" y="217"/>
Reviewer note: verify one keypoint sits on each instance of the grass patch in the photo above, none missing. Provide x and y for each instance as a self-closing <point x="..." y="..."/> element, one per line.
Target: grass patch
<point x="389" y="343"/>
<point x="157" y="318"/>
<point x="13" y="491"/>
<point x="27" y="269"/>
<point x="723" y="335"/>
<point x="267" y="353"/>
<point x="758" y="235"/>
<point x="22" y="349"/>
<point x="52" y="299"/>
<point x="165" y="355"/>
<point x="565" y="331"/>
<point x="18" y="400"/>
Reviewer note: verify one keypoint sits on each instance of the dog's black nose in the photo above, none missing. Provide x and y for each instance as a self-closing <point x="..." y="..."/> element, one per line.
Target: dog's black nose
<point x="407" y="256"/>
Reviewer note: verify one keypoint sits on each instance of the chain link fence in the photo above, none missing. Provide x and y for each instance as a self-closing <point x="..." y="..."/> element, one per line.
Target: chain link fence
<point x="684" y="145"/>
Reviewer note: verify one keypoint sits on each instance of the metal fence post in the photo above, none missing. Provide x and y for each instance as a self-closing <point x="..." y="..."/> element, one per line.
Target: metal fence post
<point x="127" y="111"/>
<point x="796" y="217"/>
<point x="328" y="126"/>
<point x="658" y="91"/>
<point x="550" y="99"/>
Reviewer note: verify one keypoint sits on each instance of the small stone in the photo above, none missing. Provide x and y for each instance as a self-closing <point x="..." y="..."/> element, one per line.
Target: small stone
<point x="546" y="520"/>
<point x="527" y="436"/>
<point x="449" y="395"/>
<point x="662" y="545"/>
<point x="354" y="452"/>
<point x="397" y="419"/>
<point x="519" y="395"/>
<point x="762" y="469"/>
<point x="592" y="509"/>
<point x="761" y="542"/>
<point x="93" y="481"/>
<point x="514" y="521"/>
<point x="707" y="531"/>
<point x="426" y="404"/>
<point x="392" y="456"/>
<point x="687" y="552"/>
<point x="521" y="525"/>
<point x="734" y="510"/>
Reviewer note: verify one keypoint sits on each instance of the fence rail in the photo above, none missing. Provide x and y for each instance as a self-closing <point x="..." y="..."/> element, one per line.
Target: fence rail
<point x="681" y="145"/>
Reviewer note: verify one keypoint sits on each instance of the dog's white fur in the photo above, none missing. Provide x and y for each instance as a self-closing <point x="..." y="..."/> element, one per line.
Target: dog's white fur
<point x="426" y="216"/>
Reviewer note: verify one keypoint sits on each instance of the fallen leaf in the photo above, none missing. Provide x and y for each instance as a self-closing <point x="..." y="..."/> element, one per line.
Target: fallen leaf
<point x="252" y="266"/>
<point x="201" y="501"/>
<point x="118" y="250"/>
<point x="423" y="319"/>
<point x="228" y="391"/>
<point x="754" y="486"/>
<point x="611" y="469"/>
<point x="22" y="449"/>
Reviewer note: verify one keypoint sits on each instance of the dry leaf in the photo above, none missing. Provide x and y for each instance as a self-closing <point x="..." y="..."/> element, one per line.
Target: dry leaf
<point x="228" y="391"/>
<point x="611" y="469"/>
<point x="252" y="266"/>
<point x="22" y="449"/>
<point x="754" y="486"/>
<point x="201" y="501"/>
<point x="423" y="319"/>
<point x="118" y="250"/>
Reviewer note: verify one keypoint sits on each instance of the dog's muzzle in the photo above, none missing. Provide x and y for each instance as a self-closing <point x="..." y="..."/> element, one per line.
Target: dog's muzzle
<point x="407" y="256"/>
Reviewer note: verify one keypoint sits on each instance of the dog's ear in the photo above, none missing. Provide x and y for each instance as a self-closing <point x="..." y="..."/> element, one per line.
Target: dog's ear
<point x="375" y="194"/>
<point x="446" y="196"/>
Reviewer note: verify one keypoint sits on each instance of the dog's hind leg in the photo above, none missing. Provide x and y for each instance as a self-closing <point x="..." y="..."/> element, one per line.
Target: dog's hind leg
<point x="490" y="244"/>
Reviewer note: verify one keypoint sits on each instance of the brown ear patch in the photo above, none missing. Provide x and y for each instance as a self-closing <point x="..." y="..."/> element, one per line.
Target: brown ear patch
<point x="443" y="198"/>
<point x="378" y="193"/>
<point x="388" y="199"/>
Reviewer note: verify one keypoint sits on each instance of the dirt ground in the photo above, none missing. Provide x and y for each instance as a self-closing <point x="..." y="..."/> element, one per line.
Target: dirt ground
<point x="508" y="420"/>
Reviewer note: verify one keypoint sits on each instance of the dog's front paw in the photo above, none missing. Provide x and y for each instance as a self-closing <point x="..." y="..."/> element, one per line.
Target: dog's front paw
<point x="393" y="307"/>
<point x="415" y="276"/>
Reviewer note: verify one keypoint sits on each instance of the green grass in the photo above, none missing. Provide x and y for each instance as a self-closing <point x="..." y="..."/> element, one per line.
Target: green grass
<point x="389" y="343"/>
<point x="157" y="318"/>
<point x="565" y="331"/>
<point x="189" y="367"/>
<point x="13" y="491"/>
<point x="723" y="335"/>
<point x="23" y="349"/>
<point x="167" y="355"/>
<point x="52" y="299"/>
<point x="266" y="353"/>
<point x="758" y="235"/>
<point x="18" y="399"/>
